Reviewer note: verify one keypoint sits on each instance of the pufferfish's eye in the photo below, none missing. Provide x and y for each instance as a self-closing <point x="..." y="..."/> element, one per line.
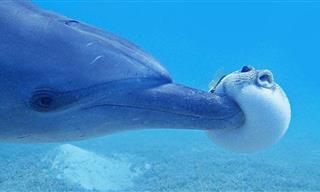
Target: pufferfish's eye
<point x="44" y="100"/>
<point x="246" y="68"/>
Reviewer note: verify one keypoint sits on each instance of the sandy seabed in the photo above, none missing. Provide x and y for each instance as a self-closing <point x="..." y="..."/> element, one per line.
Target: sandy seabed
<point x="157" y="161"/>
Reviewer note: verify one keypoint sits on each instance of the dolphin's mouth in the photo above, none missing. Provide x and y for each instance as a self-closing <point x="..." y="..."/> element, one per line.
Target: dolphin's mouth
<point x="153" y="101"/>
<point x="132" y="116"/>
<point x="160" y="110"/>
<point x="139" y="108"/>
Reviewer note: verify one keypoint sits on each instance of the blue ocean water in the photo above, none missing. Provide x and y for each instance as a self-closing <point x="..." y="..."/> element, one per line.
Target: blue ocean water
<point x="194" y="41"/>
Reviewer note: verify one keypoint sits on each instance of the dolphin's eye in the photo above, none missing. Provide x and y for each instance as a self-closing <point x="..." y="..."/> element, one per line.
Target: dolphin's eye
<point x="246" y="68"/>
<point x="44" y="100"/>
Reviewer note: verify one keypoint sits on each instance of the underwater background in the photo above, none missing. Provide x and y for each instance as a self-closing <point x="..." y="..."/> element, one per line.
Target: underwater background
<point x="196" y="42"/>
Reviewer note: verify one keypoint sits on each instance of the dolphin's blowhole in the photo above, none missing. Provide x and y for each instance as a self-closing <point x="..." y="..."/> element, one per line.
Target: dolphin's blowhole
<point x="266" y="109"/>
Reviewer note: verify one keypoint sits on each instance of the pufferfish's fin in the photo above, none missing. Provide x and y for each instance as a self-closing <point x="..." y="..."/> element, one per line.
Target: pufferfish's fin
<point x="218" y="76"/>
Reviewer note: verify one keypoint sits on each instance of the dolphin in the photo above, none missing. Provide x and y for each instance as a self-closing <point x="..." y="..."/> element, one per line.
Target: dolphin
<point x="63" y="80"/>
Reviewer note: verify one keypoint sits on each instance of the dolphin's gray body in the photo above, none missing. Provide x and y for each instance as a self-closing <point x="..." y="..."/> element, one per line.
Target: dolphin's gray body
<point x="63" y="80"/>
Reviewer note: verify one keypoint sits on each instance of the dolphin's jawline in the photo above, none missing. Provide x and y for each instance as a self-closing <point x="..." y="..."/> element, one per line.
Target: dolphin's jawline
<point x="160" y="110"/>
<point x="82" y="96"/>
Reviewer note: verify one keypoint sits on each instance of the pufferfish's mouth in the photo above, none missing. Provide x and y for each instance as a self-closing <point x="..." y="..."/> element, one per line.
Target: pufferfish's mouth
<point x="265" y="79"/>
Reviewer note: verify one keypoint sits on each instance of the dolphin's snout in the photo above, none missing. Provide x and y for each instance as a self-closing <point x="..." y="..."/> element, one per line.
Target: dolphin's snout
<point x="265" y="79"/>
